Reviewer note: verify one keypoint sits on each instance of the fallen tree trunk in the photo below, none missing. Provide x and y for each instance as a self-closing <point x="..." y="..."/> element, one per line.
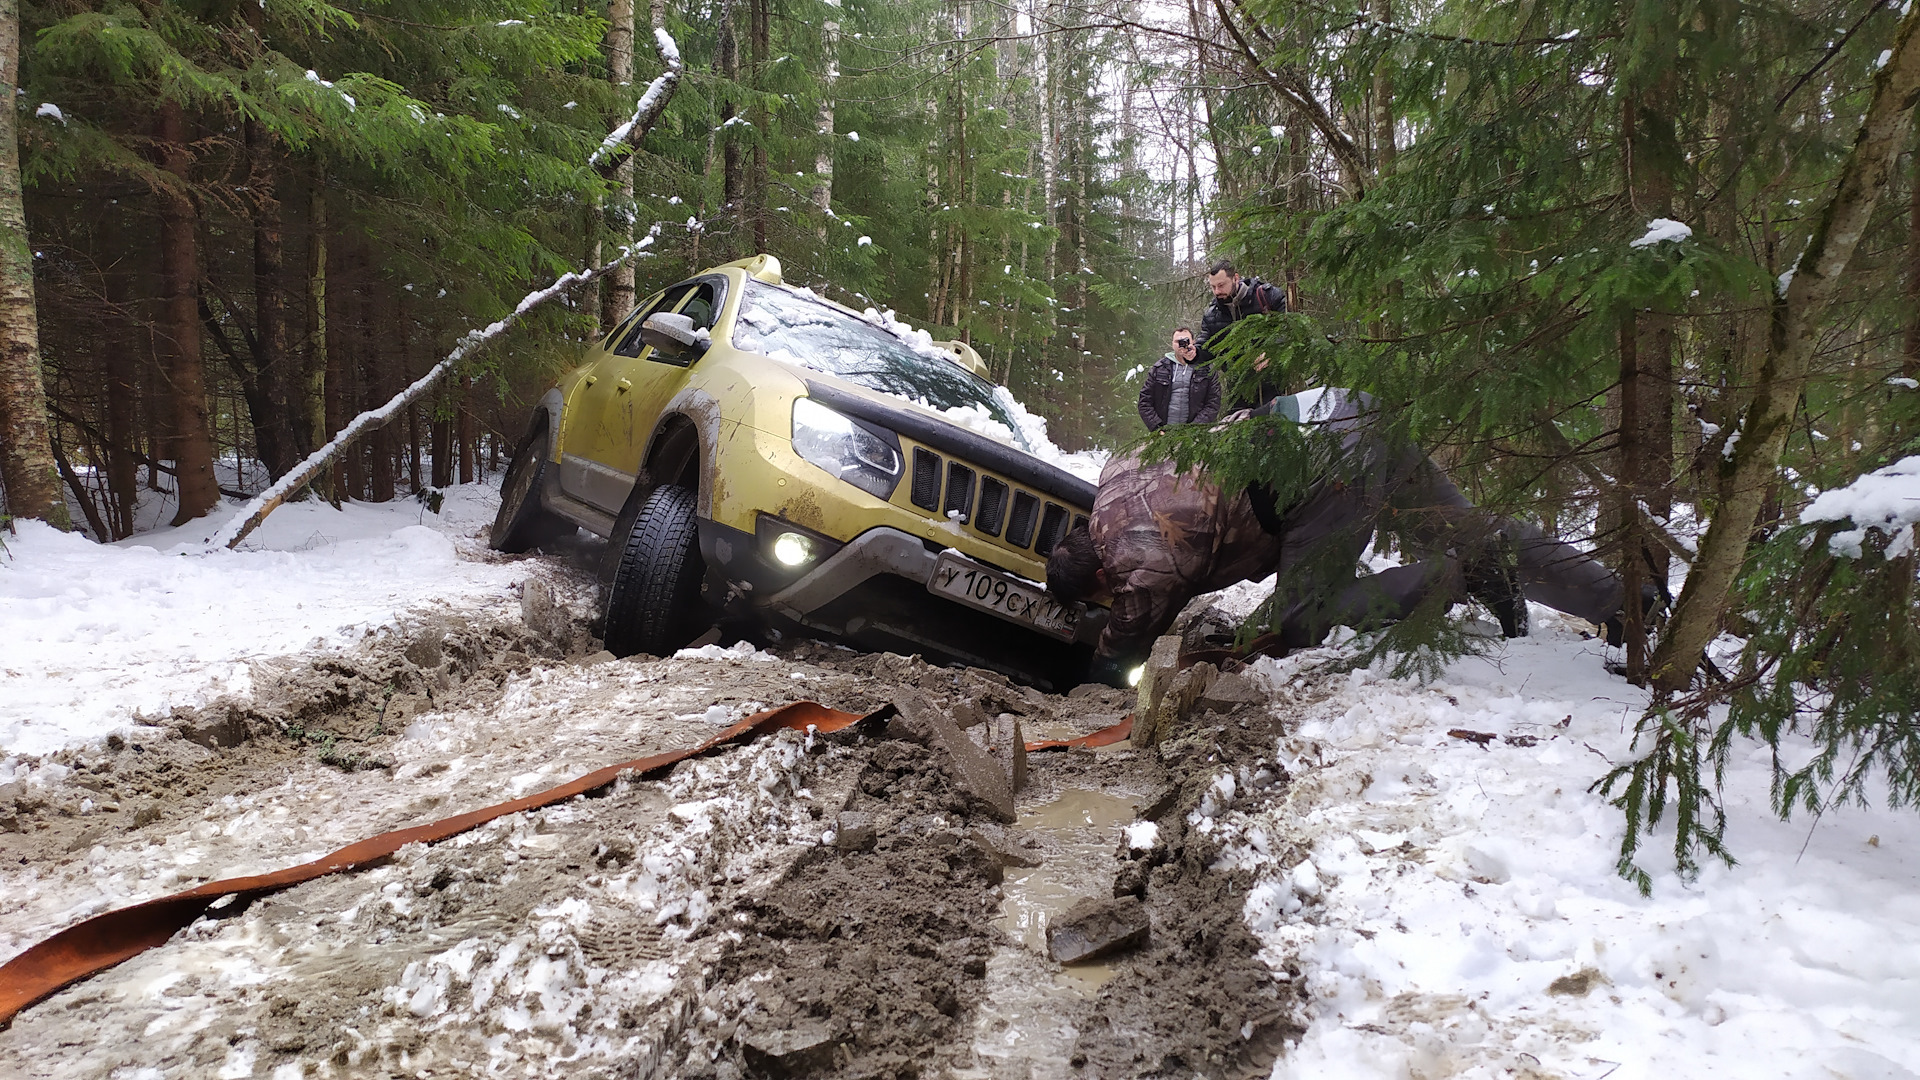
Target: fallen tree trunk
<point x="249" y="519"/>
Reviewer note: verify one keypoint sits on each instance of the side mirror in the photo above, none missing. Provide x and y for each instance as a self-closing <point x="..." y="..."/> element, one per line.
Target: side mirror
<point x="673" y="335"/>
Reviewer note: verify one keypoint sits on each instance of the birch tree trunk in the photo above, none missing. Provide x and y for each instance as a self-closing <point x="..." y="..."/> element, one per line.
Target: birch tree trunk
<point x="1780" y="372"/>
<point x="27" y="468"/>
<point x="823" y="124"/>
<point x="616" y="298"/>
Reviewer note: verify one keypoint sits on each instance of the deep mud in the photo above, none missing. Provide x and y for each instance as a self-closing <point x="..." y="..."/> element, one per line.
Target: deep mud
<point x="836" y="905"/>
<point x="1200" y="1000"/>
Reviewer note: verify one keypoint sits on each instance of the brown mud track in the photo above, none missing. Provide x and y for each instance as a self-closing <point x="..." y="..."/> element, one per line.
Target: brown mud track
<point x="844" y="905"/>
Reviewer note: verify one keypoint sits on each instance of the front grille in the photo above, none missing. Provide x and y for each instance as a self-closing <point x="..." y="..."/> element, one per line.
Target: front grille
<point x="926" y="479"/>
<point x="993" y="506"/>
<point x="959" y="490"/>
<point x="1026" y="512"/>
<point x="1053" y="526"/>
<point x="944" y="487"/>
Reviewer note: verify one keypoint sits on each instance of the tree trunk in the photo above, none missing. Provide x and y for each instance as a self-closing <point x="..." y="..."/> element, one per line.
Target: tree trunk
<point x="1910" y="354"/>
<point x="319" y="361"/>
<point x="1383" y="134"/>
<point x="468" y="436"/>
<point x="762" y="122"/>
<point x="1780" y="373"/>
<point x="278" y="434"/>
<point x="442" y="442"/>
<point x="616" y="298"/>
<point x="276" y="431"/>
<point x="1626" y="491"/>
<point x="1049" y="159"/>
<point x="416" y="479"/>
<point x="732" y="170"/>
<point x="122" y="384"/>
<point x="823" y="123"/>
<point x="27" y="469"/>
<point x="199" y="489"/>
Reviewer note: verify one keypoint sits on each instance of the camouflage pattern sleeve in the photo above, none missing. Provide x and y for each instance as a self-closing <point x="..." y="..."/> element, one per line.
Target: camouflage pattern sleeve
<point x="1145" y="602"/>
<point x="1165" y="537"/>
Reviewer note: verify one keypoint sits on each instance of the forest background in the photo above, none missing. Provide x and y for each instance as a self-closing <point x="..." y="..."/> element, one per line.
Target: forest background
<point x="1646" y="271"/>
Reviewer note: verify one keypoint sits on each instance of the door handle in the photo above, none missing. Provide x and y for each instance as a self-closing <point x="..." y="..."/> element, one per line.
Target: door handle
<point x="623" y="386"/>
<point x="591" y="379"/>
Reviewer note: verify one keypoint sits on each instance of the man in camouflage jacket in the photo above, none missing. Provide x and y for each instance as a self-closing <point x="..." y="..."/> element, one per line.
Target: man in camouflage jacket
<point x="1158" y="537"/>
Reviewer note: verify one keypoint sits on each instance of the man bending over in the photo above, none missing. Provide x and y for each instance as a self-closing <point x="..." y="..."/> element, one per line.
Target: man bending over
<point x="1158" y="537"/>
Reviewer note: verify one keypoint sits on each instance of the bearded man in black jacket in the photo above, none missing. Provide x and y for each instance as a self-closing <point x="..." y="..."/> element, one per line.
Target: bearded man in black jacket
<point x="1235" y="298"/>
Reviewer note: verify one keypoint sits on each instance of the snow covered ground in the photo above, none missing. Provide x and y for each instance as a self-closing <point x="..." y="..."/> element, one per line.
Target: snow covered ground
<point x="1459" y="914"/>
<point x="97" y="635"/>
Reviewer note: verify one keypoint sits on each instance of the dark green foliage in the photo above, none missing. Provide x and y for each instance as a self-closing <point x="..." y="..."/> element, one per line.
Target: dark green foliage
<point x="1484" y="286"/>
<point x="1674" y="760"/>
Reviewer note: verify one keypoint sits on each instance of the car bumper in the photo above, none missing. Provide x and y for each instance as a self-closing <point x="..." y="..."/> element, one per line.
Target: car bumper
<point x="872" y="591"/>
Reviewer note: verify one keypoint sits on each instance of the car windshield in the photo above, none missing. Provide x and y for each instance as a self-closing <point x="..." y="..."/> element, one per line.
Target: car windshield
<point x="797" y="329"/>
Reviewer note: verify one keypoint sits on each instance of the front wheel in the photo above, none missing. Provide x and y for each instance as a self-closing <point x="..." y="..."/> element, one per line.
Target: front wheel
<point x="653" y="605"/>
<point x="522" y="522"/>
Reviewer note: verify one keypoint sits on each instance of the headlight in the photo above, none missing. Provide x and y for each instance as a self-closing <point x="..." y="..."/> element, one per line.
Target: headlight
<point x="844" y="448"/>
<point x="792" y="549"/>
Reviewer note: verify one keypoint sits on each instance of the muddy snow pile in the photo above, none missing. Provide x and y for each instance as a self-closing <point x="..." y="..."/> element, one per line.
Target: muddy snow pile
<point x="100" y="638"/>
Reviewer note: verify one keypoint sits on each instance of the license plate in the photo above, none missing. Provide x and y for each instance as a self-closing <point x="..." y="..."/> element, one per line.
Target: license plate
<point x="959" y="578"/>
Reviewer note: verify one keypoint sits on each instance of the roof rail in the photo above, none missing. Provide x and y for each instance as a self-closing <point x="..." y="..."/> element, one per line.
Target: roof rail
<point x="761" y="267"/>
<point x="963" y="354"/>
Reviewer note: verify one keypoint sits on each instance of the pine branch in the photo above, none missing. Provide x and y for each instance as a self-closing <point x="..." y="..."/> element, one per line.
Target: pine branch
<point x="1801" y="296"/>
<point x="1657" y="528"/>
<point x="625" y="137"/>
<point x="1292" y="86"/>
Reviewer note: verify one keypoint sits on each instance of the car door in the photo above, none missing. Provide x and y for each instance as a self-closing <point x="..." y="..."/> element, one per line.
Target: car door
<point x="621" y="398"/>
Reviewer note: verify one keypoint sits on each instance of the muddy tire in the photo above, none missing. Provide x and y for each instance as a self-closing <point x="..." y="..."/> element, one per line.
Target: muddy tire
<point x="522" y="522"/>
<point x="653" y="605"/>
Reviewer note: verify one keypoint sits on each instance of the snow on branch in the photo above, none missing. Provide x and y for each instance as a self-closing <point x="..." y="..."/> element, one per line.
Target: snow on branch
<point x="1886" y="499"/>
<point x="652" y="103"/>
<point x="256" y="511"/>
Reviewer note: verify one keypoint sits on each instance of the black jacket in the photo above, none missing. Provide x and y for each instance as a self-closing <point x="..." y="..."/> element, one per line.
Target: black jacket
<point x="1203" y="395"/>
<point x="1253" y="297"/>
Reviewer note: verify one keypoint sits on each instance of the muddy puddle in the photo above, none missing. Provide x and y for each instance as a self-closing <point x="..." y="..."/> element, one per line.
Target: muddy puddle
<point x="1079" y="831"/>
<point x="1034" y="1009"/>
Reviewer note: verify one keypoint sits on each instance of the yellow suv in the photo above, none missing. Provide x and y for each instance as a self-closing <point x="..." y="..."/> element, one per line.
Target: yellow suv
<point x="770" y="462"/>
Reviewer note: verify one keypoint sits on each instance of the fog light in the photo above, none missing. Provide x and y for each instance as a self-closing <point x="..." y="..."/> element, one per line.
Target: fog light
<point x="1133" y="677"/>
<point x="792" y="549"/>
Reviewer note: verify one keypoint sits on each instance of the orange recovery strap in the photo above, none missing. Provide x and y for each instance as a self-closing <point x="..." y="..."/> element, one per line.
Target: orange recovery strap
<point x="98" y="943"/>
<point x="1106" y="736"/>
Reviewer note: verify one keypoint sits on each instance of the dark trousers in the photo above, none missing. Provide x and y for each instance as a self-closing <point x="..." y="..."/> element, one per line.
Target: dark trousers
<point x="1322" y="539"/>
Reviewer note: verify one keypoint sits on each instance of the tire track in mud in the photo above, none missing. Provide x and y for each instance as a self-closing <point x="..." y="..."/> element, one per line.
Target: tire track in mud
<point x="798" y="907"/>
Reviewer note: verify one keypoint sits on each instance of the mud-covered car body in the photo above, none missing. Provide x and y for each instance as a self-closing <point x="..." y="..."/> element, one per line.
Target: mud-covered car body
<point x="831" y="491"/>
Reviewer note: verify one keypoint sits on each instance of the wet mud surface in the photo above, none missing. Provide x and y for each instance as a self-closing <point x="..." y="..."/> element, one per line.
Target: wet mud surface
<point x="806" y="905"/>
